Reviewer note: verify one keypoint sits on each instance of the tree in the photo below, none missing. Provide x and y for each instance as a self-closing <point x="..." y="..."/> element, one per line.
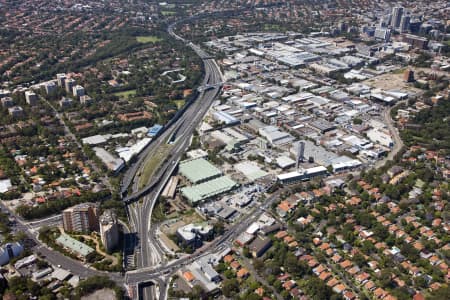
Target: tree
<point x="258" y="264"/>
<point x="317" y="289"/>
<point x="230" y="287"/>
<point x="359" y="259"/>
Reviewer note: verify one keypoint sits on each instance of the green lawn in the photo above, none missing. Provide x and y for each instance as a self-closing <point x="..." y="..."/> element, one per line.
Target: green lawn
<point x="125" y="94"/>
<point x="179" y="103"/>
<point x="167" y="13"/>
<point x="152" y="164"/>
<point x="147" y="39"/>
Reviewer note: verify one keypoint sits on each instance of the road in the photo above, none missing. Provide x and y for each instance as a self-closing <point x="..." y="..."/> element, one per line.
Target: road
<point x="150" y="273"/>
<point x="56" y="258"/>
<point x="140" y="202"/>
<point x="398" y="143"/>
<point x="70" y="134"/>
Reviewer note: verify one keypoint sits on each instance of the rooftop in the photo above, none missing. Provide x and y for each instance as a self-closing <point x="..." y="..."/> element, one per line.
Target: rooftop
<point x="198" y="170"/>
<point x="208" y="189"/>
<point x="74" y="245"/>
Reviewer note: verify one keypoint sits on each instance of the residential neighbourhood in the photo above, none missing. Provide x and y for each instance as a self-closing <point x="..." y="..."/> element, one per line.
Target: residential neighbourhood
<point x="224" y="150"/>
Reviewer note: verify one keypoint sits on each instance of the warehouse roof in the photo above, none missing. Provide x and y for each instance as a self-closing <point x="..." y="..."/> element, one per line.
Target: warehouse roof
<point x="208" y="189"/>
<point x="197" y="170"/>
<point x="250" y="170"/>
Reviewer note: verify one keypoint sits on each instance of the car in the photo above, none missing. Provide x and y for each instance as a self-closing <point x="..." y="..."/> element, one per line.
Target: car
<point x="59" y="266"/>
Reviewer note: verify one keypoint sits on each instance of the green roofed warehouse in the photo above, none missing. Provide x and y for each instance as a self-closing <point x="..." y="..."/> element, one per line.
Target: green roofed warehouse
<point x="208" y="189"/>
<point x="198" y="170"/>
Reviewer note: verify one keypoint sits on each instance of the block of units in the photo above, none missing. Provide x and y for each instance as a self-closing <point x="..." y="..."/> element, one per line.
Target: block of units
<point x="31" y="98"/>
<point x="199" y="170"/>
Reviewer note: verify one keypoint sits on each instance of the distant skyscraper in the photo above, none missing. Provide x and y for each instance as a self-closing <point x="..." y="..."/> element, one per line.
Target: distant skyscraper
<point x="404" y="23"/>
<point x="397" y="13"/>
<point x="383" y="34"/>
<point x="408" y="76"/>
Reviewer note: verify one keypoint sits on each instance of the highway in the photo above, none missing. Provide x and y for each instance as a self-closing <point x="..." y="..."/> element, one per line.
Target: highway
<point x="141" y="201"/>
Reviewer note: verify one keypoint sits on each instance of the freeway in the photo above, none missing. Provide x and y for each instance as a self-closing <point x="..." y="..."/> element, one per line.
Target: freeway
<point x="149" y="252"/>
<point x="178" y="133"/>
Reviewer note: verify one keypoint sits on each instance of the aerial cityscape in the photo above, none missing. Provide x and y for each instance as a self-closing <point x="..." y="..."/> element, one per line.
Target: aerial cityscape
<point x="224" y="149"/>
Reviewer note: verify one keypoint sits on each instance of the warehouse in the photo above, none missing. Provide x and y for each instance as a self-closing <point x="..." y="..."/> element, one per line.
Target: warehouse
<point x="208" y="189"/>
<point x="302" y="175"/>
<point x="198" y="170"/>
<point x="250" y="170"/>
<point x="225" y="118"/>
<point x="275" y="136"/>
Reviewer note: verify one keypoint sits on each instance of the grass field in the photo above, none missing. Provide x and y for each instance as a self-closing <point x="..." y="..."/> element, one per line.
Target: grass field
<point x="147" y="39"/>
<point x="152" y="164"/>
<point x="168" y="13"/>
<point x="179" y="103"/>
<point x="125" y="94"/>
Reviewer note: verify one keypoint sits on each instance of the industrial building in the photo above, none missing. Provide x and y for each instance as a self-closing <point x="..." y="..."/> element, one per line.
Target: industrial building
<point x="154" y="130"/>
<point x="302" y="175"/>
<point x="193" y="235"/>
<point x="275" y="136"/>
<point x="225" y="118"/>
<point x="250" y="170"/>
<point x="208" y="189"/>
<point x="112" y="163"/>
<point x="198" y="170"/>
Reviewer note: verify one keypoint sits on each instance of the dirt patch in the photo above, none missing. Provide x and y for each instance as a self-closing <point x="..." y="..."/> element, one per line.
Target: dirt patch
<point x="168" y="242"/>
<point x="170" y="228"/>
<point x="103" y="294"/>
<point x="391" y="81"/>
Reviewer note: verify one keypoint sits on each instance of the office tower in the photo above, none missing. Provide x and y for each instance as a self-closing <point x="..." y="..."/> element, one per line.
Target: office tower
<point x="383" y="34"/>
<point x="408" y="76"/>
<point x="109" y="230"/>
<point x="404" y="23"/>
<point x="397" y="13"/>
<point x="81" y="218"/>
